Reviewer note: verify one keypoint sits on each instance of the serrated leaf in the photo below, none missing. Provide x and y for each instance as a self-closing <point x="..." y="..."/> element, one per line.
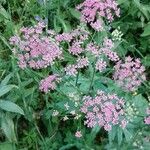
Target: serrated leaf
<point x="146" y="31"/>
<point x="141" y="103"/>
<point x="142" y="8"/>
<point x="10" y="106"/>
<point x="146" y="61"/>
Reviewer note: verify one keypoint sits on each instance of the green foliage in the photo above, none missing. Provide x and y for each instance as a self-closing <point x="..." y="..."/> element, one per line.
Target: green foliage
<point x="26" y="119"/>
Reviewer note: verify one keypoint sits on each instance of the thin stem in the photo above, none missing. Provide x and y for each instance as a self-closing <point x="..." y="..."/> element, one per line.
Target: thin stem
<point x="46" y="13"/>
<point x="91" y="84"/>
<point x="139" y="53"/>
<point x="38" y="131"/>
<point x="77" y="79"/>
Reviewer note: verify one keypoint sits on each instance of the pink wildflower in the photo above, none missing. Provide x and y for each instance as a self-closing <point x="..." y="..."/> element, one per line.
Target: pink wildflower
<point x="67" y="37"/>
<point x="147" y="119"/>
<point x="97" y="25"/>
<point x="93" y="48"/>
<point x="78" y="134"/>
<point x="92" y="10"/>
<point x="49" y="83"/>
<point x="124" y="123"/>
<point x="100" y="65"/>
<point x="107" y="50"/>
<point x="108" y="43"/>
<point x="105" y="110"/>
<point x="76" y="48"/>
<point x="35" y="50"/>
<point x="130" y="74"/>
<point x="82" y="62"/>
<point x="71" y="70"/>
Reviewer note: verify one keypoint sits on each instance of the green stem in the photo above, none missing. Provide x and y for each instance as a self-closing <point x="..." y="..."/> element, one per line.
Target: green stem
<point x="38" y="131"/>
<point x="46" y="13"/>
<point x="91" y="84"/>
<point x="139" y="53"/>
<point x="77" y="79"/>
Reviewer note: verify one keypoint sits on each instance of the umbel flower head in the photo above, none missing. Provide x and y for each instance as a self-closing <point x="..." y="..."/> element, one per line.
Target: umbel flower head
<point x="105" y="110"/>
<point x="106" y="49"/>
<point x="130" y="74"/>
<point x="93" y="10"/>
<point x="71" y="70"/>
<point x="49" y="83"/>
<point x="75" y="39"/>
<point x="78" y="134"/>
<point x="34" y="49"/>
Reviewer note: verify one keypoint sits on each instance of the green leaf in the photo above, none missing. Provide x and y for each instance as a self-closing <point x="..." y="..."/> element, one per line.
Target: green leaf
<point x="56" y="26"/>
<point x="7" y="126"/>
<point x="119" y="134"/>
<point x="5" y="89"/>
<point x="112" y="134"/>
<point x="142" y="8"/>
<point x="146" y="61"/>
<point x="98" y="85"/>
<point x="92" y="135"/>
<point x="146" y="31"/>
<point x="141" y="103"/>
<point x="68" y="146"/>
<point x="3" y="39"/>
<point x="7" y="146"/>
<point x="75" y="13"/>
<point x="6" y="79"/>
<point x="4" y="13"/>
<point x="10" y="106"/>
<point x="65" y="25"/>
<point x="127" y="134"/>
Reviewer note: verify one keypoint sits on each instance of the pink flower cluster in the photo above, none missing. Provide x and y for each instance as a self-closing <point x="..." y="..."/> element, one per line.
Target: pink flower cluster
<point x="33" y="49"/>
<point x="106" y="49"/>
<point x="130" y="74"/>
<point x="75" y="39"/>
<point x="147" y="119"/>
<point x="82" y="62"/>
<point x="100" y="65"/>
<point x="78" y="134"/>
<point x="105" y="110"/>
<point x="49" y="83"/>
<point x="92" y="12"/>
<point x="93" y="48"/>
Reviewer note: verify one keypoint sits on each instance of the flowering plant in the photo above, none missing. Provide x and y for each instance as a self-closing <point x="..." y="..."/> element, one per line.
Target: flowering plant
<point x="83" y="85"/>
